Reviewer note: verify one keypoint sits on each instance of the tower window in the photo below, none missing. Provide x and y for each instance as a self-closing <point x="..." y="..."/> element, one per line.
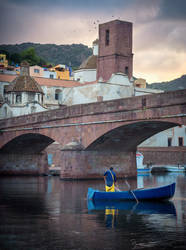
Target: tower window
<point x="144" y="103"/>
<point x="126" y="70"/>
<point x="107" y="34"/>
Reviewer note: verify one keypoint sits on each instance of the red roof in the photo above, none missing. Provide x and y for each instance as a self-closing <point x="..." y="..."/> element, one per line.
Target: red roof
<point x="47" y="81"/>
<point x="7" y="78"/>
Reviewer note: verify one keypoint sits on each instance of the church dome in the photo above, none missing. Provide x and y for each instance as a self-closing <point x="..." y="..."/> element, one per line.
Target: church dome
<point x="89" y="63"/>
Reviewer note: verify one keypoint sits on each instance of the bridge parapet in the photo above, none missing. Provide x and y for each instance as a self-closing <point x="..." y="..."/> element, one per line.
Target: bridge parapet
<point x="145" y="102"/>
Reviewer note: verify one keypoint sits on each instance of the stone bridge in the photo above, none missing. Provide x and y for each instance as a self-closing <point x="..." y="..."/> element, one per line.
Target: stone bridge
<point x="92" y="136"/>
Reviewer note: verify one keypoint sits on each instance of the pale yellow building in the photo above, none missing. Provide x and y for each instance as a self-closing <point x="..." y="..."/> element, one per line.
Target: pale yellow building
<point x="3" y="61"/>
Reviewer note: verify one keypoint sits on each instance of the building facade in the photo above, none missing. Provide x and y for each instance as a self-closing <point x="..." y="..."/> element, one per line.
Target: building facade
<point x="112" y="66"/>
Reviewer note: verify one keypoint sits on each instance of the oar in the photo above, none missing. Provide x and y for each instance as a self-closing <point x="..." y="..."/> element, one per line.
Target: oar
<point x="131" y="191"/>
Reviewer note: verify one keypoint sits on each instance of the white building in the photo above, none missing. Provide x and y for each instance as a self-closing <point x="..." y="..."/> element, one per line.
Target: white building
<point x="49" y="74"/>
<point x="171" y="137"/>
<point x="23" y="96"/>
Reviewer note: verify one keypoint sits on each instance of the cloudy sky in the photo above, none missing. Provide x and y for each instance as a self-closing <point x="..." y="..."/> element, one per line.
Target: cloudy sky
<point x="159" y="28"/>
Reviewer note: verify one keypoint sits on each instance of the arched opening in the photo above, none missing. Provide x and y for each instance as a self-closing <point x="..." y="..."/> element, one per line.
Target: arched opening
<point x="128" y="137"/>
<point x="27" y="143"/>
<point x="25" y="155"/>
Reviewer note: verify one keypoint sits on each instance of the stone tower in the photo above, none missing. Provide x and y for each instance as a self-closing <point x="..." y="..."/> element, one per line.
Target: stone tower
<point x="115" y="49"/>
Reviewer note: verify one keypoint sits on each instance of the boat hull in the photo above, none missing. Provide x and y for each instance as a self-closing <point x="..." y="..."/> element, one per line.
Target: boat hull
<point x="158" y="193"/>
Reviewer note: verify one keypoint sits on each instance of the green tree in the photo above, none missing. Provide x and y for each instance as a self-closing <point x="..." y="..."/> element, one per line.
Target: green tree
<point x="30" y="56"/>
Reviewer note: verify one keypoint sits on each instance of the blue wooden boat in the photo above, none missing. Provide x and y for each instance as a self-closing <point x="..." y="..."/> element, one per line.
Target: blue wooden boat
<point x="156" y="193"/>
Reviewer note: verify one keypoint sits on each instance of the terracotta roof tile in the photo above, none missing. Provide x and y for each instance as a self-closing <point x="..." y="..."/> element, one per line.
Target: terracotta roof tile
<point x="48" y="82"/>
<point x="25" y="83"/>
<point x="7" y="78"/>
<point x="56" y="83"/>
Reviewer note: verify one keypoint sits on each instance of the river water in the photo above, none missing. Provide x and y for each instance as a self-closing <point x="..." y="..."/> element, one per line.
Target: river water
<point x="48" y="213"/>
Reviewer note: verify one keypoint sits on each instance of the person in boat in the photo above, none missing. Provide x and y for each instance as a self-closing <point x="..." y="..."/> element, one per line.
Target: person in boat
<point x="110" y="180"/>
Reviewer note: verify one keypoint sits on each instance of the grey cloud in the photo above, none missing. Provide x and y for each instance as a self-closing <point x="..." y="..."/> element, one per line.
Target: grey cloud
<point x="88" y="5"/>
<point x="161" y="35"/>
<point x="172" y="9"/>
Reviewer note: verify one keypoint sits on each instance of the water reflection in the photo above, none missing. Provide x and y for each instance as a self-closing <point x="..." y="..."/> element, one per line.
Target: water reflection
<point x="166" y="207"/>
<point x="47" y="213"/>
<point x="112" y="209"/>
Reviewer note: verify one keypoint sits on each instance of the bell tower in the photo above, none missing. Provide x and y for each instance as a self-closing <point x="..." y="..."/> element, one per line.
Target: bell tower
<point x="115" y="49"/>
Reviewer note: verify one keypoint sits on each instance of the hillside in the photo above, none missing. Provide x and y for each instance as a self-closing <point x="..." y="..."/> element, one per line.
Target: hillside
<point x="71" y="55"/>
<point x="176" y="84"/>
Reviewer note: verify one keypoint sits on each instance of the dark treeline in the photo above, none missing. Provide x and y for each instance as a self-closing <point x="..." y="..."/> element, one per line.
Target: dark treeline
<point x="41" y="54"/>
<point x="176" y="84"/>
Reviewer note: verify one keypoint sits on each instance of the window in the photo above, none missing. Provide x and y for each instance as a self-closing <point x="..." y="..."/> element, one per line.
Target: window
<point x="169" y="142"/>
<point x="36" y="71"/>
<point x="31" y="97"/>
<point x="18" y="98"/>
<point x="33" y="109"/>
<point x="107" y="34"/>
<point x="51" y="76"/>
<point x="57" y="94"/>
<point x="143" y="102"/>
<point x="126" y="70"/>
<point x="180" y="141"/>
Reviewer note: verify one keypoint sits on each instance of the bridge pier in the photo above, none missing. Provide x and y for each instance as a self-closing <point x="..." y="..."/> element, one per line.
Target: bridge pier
<point x="23" y="164"/>
<point x="83" y="164"/>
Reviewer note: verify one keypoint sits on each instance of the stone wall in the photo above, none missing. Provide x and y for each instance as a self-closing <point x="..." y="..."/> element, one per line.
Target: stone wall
<point x="164" y="155"/>
<point x="93" y="164"/>
<point x="23" y="164"/>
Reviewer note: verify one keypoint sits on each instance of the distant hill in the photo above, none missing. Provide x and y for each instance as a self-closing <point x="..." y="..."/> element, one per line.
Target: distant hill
<point x="176" y="84"/>
<point x="71" y="55"/>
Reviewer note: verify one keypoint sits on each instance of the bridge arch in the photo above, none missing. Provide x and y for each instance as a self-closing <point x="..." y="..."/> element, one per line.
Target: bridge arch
<point x="128" y="136"/>
<point x="28" y="143"/>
